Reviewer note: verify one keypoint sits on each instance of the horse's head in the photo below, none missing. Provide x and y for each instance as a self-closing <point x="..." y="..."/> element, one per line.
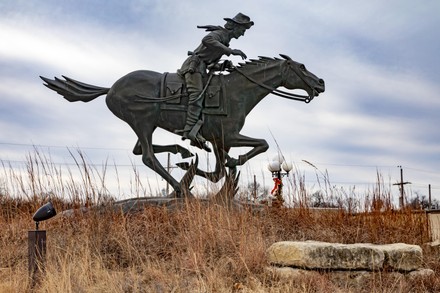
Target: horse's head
<point x="296" y="76"/>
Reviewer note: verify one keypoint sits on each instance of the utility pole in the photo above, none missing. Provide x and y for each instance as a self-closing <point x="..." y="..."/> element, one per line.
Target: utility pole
<point x="402" y="191"/>
<point x="429" y="197"/>
<point x="255" y="188"/>
<point x="168" y="171"/>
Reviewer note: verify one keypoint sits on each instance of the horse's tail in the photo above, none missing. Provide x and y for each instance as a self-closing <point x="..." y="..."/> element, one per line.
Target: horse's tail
<point x="73" y="90"/>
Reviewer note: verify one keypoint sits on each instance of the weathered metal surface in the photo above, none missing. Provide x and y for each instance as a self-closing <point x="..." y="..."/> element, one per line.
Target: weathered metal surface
<point x="146" y="101"/>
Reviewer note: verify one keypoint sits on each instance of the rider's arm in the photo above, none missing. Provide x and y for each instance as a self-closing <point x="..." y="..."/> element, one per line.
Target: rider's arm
<point x="212" y="41"/>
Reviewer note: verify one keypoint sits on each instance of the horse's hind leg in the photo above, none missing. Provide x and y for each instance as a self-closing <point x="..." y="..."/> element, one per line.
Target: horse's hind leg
<point x="173" y="148"/>
<point x="149" y="159"/>
<point x="238" y="140"/>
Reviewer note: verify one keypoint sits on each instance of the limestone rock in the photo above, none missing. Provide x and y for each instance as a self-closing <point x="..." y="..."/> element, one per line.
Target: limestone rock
<point x="336" y="256"/>
<point x="402" y="257"/>
<point x="421" y="274"/>
<point x="288" y="273"/>
<point x="323" y="255"/>
<point x="351" y="279"/>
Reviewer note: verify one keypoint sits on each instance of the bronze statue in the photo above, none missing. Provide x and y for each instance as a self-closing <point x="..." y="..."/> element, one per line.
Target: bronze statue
<point x="146" y="100"/>
<point x="206" y="57"/>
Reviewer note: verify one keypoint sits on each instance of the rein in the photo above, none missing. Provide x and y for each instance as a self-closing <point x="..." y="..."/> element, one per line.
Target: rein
<point x="278" y="92"/>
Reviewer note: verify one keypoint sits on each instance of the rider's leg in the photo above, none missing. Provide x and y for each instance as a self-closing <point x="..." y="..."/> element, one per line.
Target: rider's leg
<point x="194" y="84"/>
<point x="192" y="117"/>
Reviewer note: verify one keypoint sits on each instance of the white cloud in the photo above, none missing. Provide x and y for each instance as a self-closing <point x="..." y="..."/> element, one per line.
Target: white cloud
<point x="341" y="43"/>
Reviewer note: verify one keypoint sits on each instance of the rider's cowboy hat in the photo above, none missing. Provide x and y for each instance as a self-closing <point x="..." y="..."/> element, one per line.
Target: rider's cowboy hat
<point x="242" y="19"/>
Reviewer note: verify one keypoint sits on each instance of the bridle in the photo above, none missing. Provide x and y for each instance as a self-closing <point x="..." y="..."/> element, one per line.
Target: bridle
<point x="280" y="93"/>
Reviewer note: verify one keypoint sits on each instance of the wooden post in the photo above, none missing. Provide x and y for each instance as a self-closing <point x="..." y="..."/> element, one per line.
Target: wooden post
<point x="255" y="188"/>
<point x="402" y="191"/>
<point x="168" y="171"/>
<point x="429" y="196"/>
<point x="36" y="253"/>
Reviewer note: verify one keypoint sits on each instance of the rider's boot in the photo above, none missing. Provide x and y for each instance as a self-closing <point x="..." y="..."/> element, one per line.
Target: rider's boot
<point x="192" y="126"/>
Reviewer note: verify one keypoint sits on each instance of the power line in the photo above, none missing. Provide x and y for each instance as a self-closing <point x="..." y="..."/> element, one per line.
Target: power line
<point x="22" y="162"/>
<point x="57" y="146"/>
<point x="420" y="170"/>
<point x="355" y="165"/>
<point x="75" y="164"/>
<point x="128" y="165"/>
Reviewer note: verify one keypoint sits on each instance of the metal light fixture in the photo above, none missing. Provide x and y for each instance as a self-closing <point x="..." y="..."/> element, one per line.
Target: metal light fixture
<point x="37" y="242"/>
<point x="275" y="167"/>
<point x="44" y="213"/>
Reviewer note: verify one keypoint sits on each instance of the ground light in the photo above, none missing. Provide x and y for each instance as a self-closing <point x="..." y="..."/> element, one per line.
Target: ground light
<point x="275" y="167"/>
<point x="37" y="242"/>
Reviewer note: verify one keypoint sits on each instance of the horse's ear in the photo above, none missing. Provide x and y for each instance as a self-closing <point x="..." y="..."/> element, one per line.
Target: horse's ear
<point x="285" y="57"/>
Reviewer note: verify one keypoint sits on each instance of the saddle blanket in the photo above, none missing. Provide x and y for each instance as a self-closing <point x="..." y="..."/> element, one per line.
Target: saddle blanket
<point x="215" y="102"/>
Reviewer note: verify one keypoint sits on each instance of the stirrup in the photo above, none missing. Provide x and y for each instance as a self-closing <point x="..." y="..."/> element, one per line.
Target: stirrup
<point x="195" y="136"/>
<point x="201" y="145"/>
<point x="196" y="140"/>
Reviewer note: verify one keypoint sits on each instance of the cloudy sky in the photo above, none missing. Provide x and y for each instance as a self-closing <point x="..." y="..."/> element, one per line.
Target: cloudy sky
<point x="379" y="59"/>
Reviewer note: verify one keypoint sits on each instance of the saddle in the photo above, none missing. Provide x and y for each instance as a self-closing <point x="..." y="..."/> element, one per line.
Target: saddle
<point x="215" y="101"/>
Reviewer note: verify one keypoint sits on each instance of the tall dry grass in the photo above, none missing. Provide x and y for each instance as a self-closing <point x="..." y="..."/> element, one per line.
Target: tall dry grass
<point x="202" y="247"/>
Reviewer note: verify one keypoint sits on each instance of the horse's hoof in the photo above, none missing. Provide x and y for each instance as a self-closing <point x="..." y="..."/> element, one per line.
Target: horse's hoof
<point x="200" y="145"/>
<point x="183" y="165"/>
<point x="186" y="154"/>
<point x="231" y="163"/>
<point x="206" y="147"/>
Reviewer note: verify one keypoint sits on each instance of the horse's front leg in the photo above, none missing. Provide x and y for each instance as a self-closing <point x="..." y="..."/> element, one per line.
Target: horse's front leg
<point x="150" y="160"/>
<point x="258" y="146"/>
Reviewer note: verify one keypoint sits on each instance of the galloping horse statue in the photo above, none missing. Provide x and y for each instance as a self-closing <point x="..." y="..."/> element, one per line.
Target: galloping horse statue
<point x="147" y="100"/>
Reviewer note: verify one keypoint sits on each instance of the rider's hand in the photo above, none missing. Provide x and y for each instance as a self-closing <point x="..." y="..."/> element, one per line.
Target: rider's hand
<point x="238" y="53"/>
<point x="227" y="64"/>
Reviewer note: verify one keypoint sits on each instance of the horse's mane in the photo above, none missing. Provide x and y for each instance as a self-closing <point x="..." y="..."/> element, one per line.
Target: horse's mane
<point x="253" y="62"/>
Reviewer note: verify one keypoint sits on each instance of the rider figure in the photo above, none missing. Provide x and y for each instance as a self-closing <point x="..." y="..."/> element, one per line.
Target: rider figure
<point x="206" y="57"/>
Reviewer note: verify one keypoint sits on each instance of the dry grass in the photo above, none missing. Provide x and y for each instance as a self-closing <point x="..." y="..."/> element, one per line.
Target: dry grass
<point x="203" y="248"/>
<point x="200" y="248"/>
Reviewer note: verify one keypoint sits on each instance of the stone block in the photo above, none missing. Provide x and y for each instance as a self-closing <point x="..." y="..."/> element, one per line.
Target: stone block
<point x="323" y="255"/>
<point x="401" y="256"/>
